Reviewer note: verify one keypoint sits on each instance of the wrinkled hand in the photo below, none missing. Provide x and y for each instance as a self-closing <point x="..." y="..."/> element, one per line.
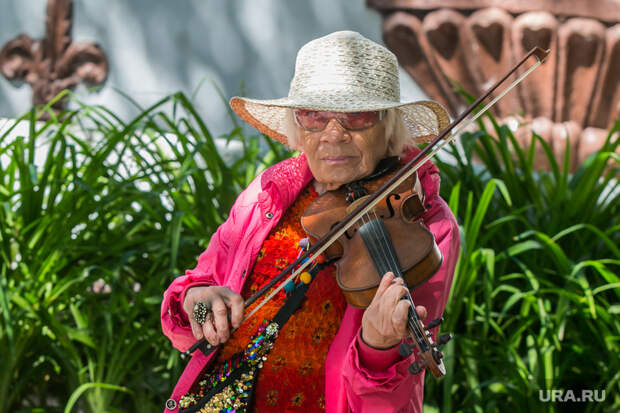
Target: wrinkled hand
<point x="384" y="323"/>
<point x="221" y="300"/>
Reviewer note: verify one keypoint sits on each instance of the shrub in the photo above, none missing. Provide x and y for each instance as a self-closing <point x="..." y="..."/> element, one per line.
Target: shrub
<point x="92" y="234"/>
<point x="534" y="300"/>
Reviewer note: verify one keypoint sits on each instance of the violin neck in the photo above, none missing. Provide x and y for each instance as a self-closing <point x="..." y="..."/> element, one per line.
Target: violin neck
<point x="381" y="249"/>
<point x="379" y="245"/>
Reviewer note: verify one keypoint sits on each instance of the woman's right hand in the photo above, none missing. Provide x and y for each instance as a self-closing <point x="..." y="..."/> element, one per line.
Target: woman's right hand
<point x="221" y="300"/>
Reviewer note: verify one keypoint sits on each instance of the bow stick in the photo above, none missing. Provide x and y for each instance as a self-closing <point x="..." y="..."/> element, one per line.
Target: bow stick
<point x="373" y="199"/>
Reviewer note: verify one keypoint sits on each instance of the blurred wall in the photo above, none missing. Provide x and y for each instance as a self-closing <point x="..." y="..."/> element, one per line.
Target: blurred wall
<point x="157" y="47"/>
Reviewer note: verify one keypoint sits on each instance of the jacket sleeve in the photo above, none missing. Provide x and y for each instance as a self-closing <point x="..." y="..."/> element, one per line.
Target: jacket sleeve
<point x="378" y="380"/>
<point x="226" y="247"/>
<point x="208" y="271"/>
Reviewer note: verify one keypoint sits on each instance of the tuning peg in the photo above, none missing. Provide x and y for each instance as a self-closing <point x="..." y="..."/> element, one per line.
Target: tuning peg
<point x="405" y="349"/>
<point x="434" y="323"/>
<point x="414" y="368"/>
<point x="443" y="339"/>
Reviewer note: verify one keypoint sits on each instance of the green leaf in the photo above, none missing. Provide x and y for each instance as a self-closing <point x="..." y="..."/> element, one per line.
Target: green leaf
<point x="87" y="386"/>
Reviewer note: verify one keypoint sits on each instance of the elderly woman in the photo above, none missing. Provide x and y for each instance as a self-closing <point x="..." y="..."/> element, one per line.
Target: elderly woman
<point x="344" y="115"/>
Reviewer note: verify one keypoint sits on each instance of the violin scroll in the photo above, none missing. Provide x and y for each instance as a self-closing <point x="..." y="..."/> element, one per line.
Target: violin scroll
<point x="429" y="356"/>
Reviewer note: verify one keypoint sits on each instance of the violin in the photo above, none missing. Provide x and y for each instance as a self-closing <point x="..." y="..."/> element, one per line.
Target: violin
<point x="362" y="209"/>
<point x="390" y="237"/>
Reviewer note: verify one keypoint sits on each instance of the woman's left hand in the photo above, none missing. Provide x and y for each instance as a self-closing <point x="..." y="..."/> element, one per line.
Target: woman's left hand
<point x="384" y="323"/>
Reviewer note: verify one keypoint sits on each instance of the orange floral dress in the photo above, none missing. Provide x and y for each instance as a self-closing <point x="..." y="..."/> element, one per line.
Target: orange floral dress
<point x="293" y="376"/>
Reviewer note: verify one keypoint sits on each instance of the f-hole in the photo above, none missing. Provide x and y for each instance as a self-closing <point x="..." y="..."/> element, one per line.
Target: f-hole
<point x="389" y="205"/>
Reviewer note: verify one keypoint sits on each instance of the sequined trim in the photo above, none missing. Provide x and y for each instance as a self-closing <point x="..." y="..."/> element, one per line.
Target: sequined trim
<point x="235" y="396"/>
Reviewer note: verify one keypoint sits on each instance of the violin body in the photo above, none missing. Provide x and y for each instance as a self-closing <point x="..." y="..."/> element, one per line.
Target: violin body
<point x="358" y="275"/>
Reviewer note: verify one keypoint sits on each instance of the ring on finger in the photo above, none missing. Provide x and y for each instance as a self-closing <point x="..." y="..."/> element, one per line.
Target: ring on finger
<point x="201" y="311"/>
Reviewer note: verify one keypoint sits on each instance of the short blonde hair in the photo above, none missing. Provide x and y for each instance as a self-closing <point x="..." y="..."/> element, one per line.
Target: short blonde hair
<point x="396" y="133"/>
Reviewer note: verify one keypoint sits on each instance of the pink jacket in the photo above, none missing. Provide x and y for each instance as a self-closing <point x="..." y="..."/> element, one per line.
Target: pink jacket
<point x="358" y="378"/>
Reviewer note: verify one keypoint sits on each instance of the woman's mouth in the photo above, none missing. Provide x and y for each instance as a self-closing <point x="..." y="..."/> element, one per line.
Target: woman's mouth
<point x="336" y="160"/>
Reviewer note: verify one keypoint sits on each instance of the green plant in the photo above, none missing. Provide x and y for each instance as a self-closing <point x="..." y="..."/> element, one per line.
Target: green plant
<point x="536" y="286"/>
<point x="91" y="237"/>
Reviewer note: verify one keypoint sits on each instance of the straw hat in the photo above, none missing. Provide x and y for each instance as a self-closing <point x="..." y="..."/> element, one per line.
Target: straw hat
<point x="343" y="72"/>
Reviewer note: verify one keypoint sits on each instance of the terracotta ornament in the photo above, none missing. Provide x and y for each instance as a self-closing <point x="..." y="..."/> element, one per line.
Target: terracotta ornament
<point x="53" y="63"/>
<point x="576" y="94"/>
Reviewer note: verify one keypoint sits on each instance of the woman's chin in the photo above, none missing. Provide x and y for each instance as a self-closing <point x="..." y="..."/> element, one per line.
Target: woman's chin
<point x="337" y="182"/>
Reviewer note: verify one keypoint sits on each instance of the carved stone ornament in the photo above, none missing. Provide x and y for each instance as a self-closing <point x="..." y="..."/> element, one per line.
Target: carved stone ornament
<point x="53" y="63"/>
<point x="575" y="94"/>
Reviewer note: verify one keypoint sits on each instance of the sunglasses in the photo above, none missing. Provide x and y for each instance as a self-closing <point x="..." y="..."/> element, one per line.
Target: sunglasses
<point x="315" y="121"/>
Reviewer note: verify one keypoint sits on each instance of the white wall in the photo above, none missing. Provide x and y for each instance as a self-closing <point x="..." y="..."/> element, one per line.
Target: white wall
<point x="157" y="47"/>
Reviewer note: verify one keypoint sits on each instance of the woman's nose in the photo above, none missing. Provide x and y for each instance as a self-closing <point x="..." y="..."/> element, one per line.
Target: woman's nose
<point x="334" y="132"/>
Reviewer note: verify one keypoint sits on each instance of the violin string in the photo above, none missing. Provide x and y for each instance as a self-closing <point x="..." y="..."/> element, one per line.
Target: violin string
<point x="383" y="264"/>
<point x="389" y="266"/>
<point x="375" y="253"/>
<point x="381" y="258"/>
<point x="381" y="236"/>
<point x="382" y="249"/>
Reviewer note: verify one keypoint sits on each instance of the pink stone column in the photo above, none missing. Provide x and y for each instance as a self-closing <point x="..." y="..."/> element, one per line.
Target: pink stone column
<point x="537" y="90"/>
<point x="582" y="41"/>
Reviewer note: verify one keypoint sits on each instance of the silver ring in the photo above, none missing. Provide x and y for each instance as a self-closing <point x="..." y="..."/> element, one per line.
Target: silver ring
<point x="201" y="310"/>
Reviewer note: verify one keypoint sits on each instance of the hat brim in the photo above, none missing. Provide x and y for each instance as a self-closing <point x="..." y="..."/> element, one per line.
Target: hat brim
<point x="424" y="119"/>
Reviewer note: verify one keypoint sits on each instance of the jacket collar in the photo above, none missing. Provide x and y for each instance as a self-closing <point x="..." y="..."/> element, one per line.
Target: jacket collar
<point x="285" y="180"/>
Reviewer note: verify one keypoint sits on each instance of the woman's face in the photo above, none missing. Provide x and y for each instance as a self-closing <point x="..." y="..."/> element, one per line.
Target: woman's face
<point x="337" y="156"/>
